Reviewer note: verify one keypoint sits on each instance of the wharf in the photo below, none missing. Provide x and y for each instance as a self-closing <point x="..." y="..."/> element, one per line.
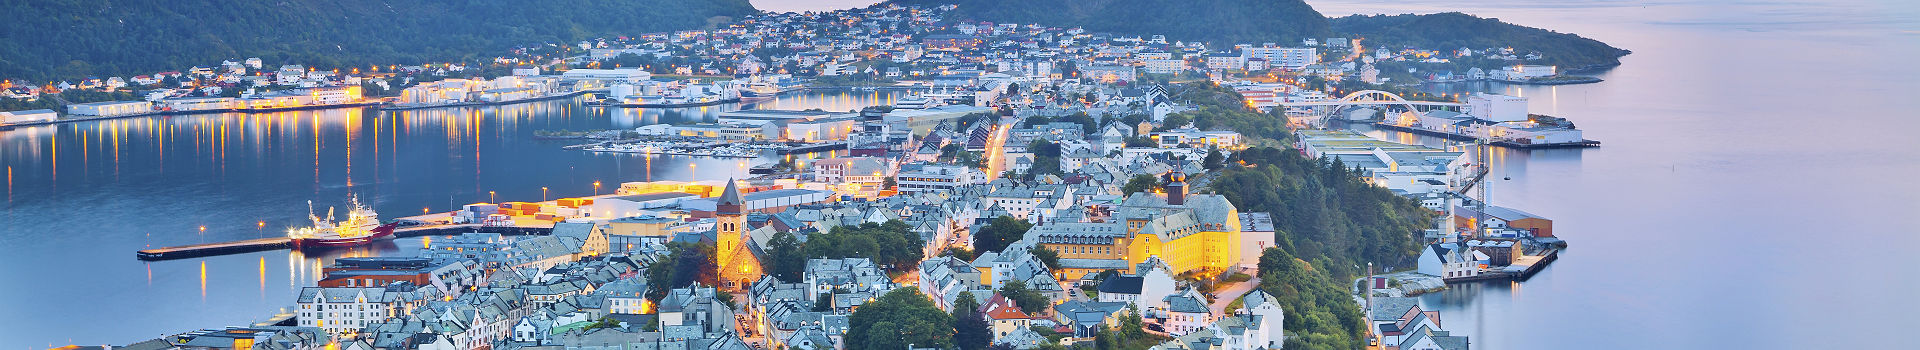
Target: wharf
<point x="669" y="105"/>
<point x="1520" y="271"/>
<point x="1503" y="143"/>
<point x="203" y="111"/>
<point x="396" y="108"/>
<point x="278" y="243"/>
<point x="816" y="147"/>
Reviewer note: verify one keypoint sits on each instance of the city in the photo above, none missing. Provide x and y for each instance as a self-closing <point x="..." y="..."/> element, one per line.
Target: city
<point x="913" y="174"/>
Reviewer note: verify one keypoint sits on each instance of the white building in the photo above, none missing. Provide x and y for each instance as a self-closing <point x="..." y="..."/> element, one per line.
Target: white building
<point x="934" y="177"/>
<point x="110" y="108"/>
<point x="1285" y="57"/>
<point x="28" y="116"/>
<point x="342" y="309"/>
<point x="1164" y="66"/>
<point x="1498" y="108"/>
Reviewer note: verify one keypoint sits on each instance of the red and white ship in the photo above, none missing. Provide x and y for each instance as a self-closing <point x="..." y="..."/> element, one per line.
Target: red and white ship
<point x="361" y="227"/>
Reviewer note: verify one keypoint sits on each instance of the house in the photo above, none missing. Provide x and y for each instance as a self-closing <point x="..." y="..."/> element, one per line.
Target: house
<point x="1006" y="317"/>
<point x="1145" y="290"/>
<point x="1467" y="217"/>
<point x="1186" y="312"/>
<point x="1450" y="260"/>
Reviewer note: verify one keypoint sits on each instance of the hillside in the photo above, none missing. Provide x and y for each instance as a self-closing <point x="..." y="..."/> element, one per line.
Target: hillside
<point x="1452" y="30"/>
<point x="1220" y="21"/>
<point x="64" y="39"/>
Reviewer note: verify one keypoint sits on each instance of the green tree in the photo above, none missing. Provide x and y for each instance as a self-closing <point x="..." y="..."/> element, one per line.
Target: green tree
<point x="1000" y="232"/>
<point x="1214" y="160"/>
<point x="1046" y="256"/>
<point x="897" y="319"/>
<point x="1140" y="183"/>
<point x="971" y="331"/>
<point x="892" y="245"/>
<point x="685" y="265"/>
<point x="785" y="260"/>
<point x="1029" y="300"/>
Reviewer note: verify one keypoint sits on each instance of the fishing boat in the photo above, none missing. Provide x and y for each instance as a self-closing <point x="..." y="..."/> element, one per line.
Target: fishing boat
<point x="361" y="227"/>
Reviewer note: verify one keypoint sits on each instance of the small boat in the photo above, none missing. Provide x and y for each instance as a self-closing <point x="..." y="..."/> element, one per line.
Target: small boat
<point x="361" y="227"/>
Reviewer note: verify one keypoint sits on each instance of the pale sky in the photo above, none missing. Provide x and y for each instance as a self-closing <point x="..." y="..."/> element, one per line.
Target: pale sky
<point x="809" y="5"/>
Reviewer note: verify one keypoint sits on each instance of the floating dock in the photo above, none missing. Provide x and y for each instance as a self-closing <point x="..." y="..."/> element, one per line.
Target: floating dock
<point x="278" y="243"/>
<point x="1520" y="271"/>
<point x="1507" y="144"/>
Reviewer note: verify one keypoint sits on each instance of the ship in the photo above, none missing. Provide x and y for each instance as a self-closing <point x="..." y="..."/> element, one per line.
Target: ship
<point x="361" y="227"/>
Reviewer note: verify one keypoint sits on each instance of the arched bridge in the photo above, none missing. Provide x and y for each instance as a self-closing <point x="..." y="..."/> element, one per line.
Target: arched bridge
<point x="1371" y="98"/>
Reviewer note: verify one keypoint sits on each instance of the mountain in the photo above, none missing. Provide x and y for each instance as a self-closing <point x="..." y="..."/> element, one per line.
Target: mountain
<point x="1453" y="30"/>
<point x="65" y="39"/>
<point x="1218" y="21"/>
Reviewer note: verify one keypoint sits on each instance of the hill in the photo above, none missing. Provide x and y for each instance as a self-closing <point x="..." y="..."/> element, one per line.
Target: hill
<point x="1452" y="30"/>
<point x="64" y="39"/>
<point x="1218" y="21"/>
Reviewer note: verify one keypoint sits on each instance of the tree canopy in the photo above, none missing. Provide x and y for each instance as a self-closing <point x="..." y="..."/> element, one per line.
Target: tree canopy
<point x="892" y="245"/>
<point x="998" y="233"/>
<point x="899" y="319"/>
<point x="72" y="39"/>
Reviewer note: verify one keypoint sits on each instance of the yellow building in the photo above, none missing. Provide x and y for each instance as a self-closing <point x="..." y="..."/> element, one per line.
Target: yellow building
<point x="1191" y="233"/>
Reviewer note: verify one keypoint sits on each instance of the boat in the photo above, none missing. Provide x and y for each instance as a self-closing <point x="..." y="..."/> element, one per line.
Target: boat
<point x="361" y="227"/>
<point x="759" y="91"/>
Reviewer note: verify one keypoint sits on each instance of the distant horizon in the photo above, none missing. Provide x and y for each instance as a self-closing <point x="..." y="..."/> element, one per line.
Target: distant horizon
<point x="809" y="5"/>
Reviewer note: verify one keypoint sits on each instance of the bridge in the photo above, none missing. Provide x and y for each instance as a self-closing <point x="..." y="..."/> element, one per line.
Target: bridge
<point x="1370" y="98"/>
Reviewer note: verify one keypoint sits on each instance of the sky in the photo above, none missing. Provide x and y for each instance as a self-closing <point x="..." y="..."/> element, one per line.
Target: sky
<point x="808" y="5"/>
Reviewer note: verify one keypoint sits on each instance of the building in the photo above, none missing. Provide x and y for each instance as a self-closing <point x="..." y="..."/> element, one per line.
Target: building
<point x="1109" y="74"/>
<point x="932" y="177"/>
<point x="28" y="116"/>
<point x="1284" y="57"/>
<point x="1190" y="137"/>
<point x="1190" y="233"/>
<point x="739" y="266"/>
<point x="589" y="79"/>
<point x="340" y="311"/>
<point x="1497" y="108"/>
<point x="110" y="108"/>
<point x="1498" y="217"/>
<point x="383" y="271"/>
<point x="1164" y="66"/>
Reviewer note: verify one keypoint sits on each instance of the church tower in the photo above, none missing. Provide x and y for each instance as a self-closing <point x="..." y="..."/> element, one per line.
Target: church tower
<point x="1177" y="188"/>
<point x="738" y="266"/>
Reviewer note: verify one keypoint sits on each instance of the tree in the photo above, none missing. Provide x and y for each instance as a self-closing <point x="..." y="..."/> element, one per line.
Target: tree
<point x="901" y="317"/>
<point x="1140" y="183"/>
<point x="1141" y="141"/>
<point x="1027" y="299"/>
<point x="999" y="233"/>
<point x="971" y="331"/>
<point x="785" y="260"/>
<point x="685" y="264"/>
<point x="1174" y="121"/>
<point x="1046" y="256"/>
<point x="892" y="245"/>
<point x="1214" y="160"/>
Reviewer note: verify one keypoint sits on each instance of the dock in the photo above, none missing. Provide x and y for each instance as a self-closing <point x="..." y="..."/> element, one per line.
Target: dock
<point x="214" y="249"/>
<point x="278" y="243"/>
<point x="1502" y="143"/>
<point x="815" y="147"/>
<point x="1520" y="271"/>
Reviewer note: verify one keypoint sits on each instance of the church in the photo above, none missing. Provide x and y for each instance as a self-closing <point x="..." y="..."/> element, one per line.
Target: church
<point x="738" y="264"/>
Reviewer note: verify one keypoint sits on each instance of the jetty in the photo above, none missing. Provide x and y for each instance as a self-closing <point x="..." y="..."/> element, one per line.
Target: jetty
<point x="1499" y="143"/>
<point x="278" y="243"/>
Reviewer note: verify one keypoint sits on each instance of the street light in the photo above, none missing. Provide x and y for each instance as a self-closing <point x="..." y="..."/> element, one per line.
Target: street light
<point x="596" y="188"/>
<point x="543" y="193"/>
<point x="491" y="198"/>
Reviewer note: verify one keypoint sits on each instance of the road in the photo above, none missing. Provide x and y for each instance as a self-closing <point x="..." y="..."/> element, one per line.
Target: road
<point x="1230" y="293"/>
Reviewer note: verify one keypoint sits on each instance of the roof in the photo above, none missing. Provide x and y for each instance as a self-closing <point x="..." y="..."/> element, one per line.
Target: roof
<point x="648" y="197"/>
<point x="1391" y="308"/>
<point x="1121" y="284"/>
<point x="730" y="196"/>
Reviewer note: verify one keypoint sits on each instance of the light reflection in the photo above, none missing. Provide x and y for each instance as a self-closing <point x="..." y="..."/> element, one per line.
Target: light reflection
<point x="203" y="281"/>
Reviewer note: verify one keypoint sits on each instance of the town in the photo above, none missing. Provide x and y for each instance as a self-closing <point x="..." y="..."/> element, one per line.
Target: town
<point x="1035" y="187"/>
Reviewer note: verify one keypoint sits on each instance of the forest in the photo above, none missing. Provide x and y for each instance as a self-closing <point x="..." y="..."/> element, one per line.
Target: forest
<point x="1454" y="30"/>
<point x="71" y="39"/>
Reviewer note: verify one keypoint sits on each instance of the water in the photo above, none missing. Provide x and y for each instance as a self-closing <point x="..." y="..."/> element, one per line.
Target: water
<point x="82" y="197"/>
<point x="1754" y="190"/>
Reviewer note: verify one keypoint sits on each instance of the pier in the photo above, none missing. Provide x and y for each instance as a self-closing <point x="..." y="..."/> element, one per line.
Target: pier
<point x="1501" y="143"/>
<point x="278" y="243"/>
<point x="814" y="147"/>
<point x="1520" y="271"/>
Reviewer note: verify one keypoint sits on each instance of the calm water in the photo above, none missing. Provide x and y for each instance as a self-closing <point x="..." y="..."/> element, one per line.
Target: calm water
<point x="1755" y="189"/>
<point x="82" y="197"/>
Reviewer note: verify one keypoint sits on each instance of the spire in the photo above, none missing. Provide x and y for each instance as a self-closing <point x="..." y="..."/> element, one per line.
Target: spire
<point x="1177" y="187"/>
<point x="729" y="202"/>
